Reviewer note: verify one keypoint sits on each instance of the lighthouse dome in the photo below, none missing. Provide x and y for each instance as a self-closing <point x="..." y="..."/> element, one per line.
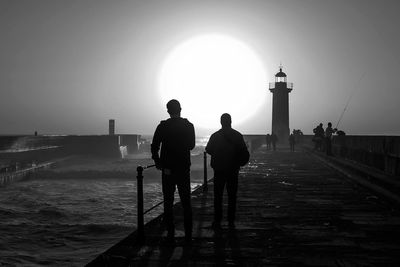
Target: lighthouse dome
<point x="280" y="73"/>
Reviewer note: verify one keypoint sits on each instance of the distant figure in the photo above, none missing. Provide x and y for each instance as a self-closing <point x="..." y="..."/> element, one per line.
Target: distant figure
<point x="341" y="139"/>
<point x="328" y="138"/>
<point x="318" y="138"/>
<point x="298" y="136"/>
<point x="292" y="141"/>
<point x="268" y="140"/>
<point x="35" y="133"/>
<point x="274" y="139"/>
<point x="228" y="152"/>
<point x="176" y="137"/>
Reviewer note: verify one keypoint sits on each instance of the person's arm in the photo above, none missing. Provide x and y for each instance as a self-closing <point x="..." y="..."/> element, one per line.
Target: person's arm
<point x="155" y="147"/>
<point x="210" y="146"/>
<point x="242" y="144"/>
<point x="244" y="152"/>
<point x="192" y="140"/>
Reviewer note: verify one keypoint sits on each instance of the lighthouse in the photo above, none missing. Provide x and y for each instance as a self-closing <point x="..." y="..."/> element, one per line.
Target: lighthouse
<point x="280" y="90"/>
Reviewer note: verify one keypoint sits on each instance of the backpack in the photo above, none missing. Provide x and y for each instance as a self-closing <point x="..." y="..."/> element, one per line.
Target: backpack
<point x="242" y="155"/>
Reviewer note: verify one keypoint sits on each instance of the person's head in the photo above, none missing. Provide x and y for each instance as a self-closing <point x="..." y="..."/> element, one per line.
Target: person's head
<point x="320" y="125"/>
<point x="226" y="120"/>
<point x="174" y="108"/>
<point x="329" y="124"/>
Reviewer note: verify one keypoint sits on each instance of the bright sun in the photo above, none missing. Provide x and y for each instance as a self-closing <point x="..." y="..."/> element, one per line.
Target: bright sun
<point x="213" y="74"/>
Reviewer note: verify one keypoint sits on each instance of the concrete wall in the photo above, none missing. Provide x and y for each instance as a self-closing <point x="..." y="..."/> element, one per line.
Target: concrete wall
<point x="94" y="145"/>
<point x="131" y="141"/>
<point x="380" y="152"/>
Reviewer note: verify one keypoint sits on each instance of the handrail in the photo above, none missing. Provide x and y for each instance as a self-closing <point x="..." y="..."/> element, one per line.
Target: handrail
<point x="152" y="208"/>
<point x="140" y="206"/>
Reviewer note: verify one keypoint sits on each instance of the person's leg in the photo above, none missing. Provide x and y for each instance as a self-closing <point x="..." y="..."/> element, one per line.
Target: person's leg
<point x="168" y="189"/>
<point x="184" y="194"/>
<point x="219" y="184"/>
<point x="232" y="187"/>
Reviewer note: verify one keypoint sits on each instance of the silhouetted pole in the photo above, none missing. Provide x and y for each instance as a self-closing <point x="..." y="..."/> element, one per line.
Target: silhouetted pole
<point x="205" y="186"/>
<point x="140" y="219"/>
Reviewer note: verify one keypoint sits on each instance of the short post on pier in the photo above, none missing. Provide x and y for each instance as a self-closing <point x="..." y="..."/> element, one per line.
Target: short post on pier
<point x="205" y="186"/>
<point x="140" y="209"/>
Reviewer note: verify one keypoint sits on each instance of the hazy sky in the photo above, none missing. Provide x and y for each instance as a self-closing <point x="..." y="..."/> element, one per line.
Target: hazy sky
<point x="66" y="67"/>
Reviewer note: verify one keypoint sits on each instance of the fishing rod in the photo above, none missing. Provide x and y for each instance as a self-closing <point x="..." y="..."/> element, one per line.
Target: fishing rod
<point x="348" y="100"/>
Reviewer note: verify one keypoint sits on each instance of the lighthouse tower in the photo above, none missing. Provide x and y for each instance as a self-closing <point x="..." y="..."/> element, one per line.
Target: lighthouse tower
<point x="280" y="106"/>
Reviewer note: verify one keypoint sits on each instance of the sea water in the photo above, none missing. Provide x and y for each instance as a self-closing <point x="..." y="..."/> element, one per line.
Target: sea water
<point x="69" y="221"/>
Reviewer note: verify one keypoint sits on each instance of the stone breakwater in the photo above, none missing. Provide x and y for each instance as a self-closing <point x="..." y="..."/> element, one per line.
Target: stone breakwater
<point x="9" y="177"/>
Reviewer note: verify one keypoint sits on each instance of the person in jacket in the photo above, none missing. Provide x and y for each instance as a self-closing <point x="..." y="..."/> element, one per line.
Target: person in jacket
<point x="274" y="140"/>
<point x="319" y="135"/>
<point x="328" y="138"/>
<point x="176" y="137"/>
<point x="292" y="141"/>
<point x="228" y="152"/>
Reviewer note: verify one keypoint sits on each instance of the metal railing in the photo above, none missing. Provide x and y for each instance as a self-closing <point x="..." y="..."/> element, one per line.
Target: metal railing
<point x="140" y="203"/>
<point x="288" y="85"/>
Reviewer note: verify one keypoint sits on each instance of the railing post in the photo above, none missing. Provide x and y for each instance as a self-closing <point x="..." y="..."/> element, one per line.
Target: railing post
<point x="205" y="186"/>
<point x="140" y="209"/>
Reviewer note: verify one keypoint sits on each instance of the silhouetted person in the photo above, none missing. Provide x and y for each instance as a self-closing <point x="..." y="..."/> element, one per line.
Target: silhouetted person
<point x="228" y="153"/>
<point x="341" y="140"/>
<point x="328" y="138"/>
<point x="292" y="141"/>
<point x="298" y="136"/>
<point x="318" y="138"/>
<point x="176" y="137"/>
<point x="268" y="141"/>
<point x="274" y="139"/>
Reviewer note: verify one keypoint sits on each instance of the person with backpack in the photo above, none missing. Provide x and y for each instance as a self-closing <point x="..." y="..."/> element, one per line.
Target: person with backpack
<point x="228" y="152"/>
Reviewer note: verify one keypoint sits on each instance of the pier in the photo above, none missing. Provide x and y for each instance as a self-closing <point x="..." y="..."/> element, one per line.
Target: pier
<point x="293" y="209"/>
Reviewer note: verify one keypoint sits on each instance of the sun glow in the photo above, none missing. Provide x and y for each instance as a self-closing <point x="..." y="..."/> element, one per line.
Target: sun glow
<point x="213" y="74"/>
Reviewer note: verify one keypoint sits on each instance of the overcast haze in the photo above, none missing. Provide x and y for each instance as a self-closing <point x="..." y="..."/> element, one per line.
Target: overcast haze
<point x="69" y="66"/>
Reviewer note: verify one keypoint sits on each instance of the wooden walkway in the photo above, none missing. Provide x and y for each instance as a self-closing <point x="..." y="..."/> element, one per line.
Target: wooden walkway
<point x="293" y="210"/>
